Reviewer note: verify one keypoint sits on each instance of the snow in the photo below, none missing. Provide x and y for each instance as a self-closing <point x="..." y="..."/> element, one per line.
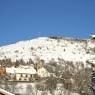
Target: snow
<point x="93" y="36"/>
<point x="23" y="70"/>
<point x="47" y="49"/>
<point x="23" y="88"/>
<point x="5" y="92"/>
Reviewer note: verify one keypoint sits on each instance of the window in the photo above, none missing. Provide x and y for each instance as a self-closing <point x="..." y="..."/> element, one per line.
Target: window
<point x="21" y="75"/>
<point x="31" y="76"/>
<point x="26" y="75"/>
<point x="19" y="78"/>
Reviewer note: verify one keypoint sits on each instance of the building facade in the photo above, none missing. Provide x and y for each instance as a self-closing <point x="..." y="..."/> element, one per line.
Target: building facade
<point x="23" y="73"/>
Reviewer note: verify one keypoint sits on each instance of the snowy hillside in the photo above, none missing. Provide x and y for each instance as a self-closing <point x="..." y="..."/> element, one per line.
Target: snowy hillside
<point x="47" y="48"/>
<point x="50" y="78"/>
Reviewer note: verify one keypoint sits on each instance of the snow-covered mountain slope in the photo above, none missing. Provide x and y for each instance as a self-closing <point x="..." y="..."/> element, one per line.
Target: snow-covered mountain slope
<point x="47" y="48"/>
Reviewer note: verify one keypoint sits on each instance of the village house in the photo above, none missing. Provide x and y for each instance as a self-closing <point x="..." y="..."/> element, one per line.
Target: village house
<point x="93" y="36"/>
<point x="22" y="73"/>
<point x="25" y="73"/>
<point x="41" y="71"/>
<point x="91" y="42"/>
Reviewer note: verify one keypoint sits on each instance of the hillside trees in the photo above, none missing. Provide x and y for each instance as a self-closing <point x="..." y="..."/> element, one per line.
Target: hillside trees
<point x="74" y="76"/>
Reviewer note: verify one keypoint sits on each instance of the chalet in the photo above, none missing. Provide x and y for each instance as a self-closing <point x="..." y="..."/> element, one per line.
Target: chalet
<point x="22" y="73"/>
<point x="41" y="71"/>
<point x="25" y="73"/>
<point x="91" y="42"/>
<point x="93" y="37"/>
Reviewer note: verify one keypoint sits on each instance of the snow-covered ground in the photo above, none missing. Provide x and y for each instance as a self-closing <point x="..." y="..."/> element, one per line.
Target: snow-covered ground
<point x="4" y="92"/>
<point x="47" y="49"/>
<point x="30" y="89"/>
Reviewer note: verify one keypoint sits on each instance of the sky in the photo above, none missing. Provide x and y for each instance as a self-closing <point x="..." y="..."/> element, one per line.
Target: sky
<point x="28" y="19"/>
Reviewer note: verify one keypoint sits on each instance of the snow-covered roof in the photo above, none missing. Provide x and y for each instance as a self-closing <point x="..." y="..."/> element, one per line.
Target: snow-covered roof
<point x="93" y="36"/>
<point x="22" y="70"/>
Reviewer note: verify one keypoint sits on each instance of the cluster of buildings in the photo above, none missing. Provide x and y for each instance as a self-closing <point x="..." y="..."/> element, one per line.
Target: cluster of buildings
<point x="24" y="73"/>
<point x="30" y="73"/>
